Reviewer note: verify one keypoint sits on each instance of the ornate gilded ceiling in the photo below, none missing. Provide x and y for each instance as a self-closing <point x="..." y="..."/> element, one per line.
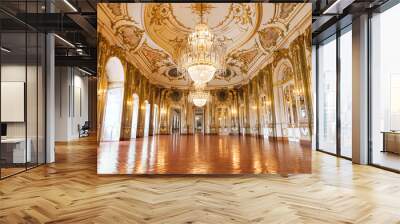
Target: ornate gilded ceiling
<point x="152" y="33"/>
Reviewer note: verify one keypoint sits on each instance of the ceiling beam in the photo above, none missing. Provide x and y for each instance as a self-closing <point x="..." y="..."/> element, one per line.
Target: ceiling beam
<point x="84" y="24"/>
<point x="81" y="61"/>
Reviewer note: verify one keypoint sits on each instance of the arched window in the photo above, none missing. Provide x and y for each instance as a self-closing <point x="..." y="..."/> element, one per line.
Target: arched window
<point x="114" y="100"/>
<point x="135" y="114"/>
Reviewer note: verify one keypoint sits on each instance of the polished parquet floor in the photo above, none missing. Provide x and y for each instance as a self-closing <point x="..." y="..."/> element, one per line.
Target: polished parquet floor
<point x="70" y="191"/>
<point x="202" y="154"/>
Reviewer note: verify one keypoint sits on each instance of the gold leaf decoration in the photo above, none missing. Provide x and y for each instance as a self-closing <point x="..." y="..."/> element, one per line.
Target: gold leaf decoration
<point x="242" y="14"/>
<point x="115" y="8"/>
<point x="131" y="35"/>
<point x="269" y="36"/>
<point x="159" y="14"/>
<point x="286" y="9"/>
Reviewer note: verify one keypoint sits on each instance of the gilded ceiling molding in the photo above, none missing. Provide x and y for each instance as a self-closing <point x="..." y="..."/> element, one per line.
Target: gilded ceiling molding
<point x="284" y="12"/>
<point x="173" y="74"/>
<point x="227" y="75"/>
<point x="168" y="28"/>
<point x="156" y="58"/>
<point x="115" y="8"/>
<point x="269" y="36"/>
<point x="285" y="9"/>
<point x="244" y="59"/>
<point x="115" y="11"/>
<point x="152" y="45"/>
<point x="132" y="37"/>
<point x="242" y="14"/>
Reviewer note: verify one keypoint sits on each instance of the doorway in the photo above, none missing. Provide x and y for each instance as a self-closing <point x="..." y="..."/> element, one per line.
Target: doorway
<point x="199" y="120"/>
<point x="176" y="121"/>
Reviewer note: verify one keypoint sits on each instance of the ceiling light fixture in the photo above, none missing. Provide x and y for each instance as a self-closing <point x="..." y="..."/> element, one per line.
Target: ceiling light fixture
<point x="64" y="40"/>
<point x="337" y="7"/>
<point x="203" y="55"/>
<point x="199" y="96"/>
<point x="5" y="50"/>
<point x="84" y="71"/>
<point x="70" y="5"/>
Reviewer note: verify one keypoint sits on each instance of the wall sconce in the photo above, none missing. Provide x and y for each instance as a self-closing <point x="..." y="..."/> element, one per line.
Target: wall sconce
<point x="254" y="107"/>
<point x="163" y="111"/>
<point x="233" y="111"/>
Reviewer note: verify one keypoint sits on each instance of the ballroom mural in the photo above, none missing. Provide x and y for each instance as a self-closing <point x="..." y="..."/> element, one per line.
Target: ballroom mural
<point x="260" y="61"/>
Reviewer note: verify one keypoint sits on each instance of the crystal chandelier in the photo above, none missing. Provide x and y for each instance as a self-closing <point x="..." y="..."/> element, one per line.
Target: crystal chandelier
<point x="199" y="97"/>
<point x="203" y="55"/>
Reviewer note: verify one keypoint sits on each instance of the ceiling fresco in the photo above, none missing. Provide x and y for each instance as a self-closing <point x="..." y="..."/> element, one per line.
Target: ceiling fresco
<point x="152" y="33"/>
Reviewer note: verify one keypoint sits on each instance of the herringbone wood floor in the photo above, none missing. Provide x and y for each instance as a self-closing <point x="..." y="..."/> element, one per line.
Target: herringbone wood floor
<point x="70" y="191"/>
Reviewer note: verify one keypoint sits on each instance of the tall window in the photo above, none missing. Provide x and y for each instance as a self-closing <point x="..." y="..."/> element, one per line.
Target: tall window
<point x="114" y="98"/>
<point x="346" y="93"/>
<point x="385" y="89"/>
<point x="327" y="96"/>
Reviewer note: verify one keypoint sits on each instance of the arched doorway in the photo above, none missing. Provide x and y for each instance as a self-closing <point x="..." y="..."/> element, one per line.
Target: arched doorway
<point x="146" y="118"/>
<point x="135" y="115"/>
<point x="114" y="100"/>
<point x="286" y="109"/>
<point x="198" y="126"/>
<point x="175" y="120"/>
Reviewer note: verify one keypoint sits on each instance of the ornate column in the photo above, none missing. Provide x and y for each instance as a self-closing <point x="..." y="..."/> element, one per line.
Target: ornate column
<point x="102" y="55"/>
<point x="151" y="101"/>
<point x="247" y="110"/>
<point x="163" y="113"/>
<point x="126" y="121"/>
<point x="270" y="100"/>
<point x="142" y="108"/>
<point x="303" y="84"/>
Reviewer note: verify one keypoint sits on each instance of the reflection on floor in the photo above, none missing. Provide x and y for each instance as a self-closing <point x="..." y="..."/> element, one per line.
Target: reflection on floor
<point x="386" y="159"/>
<point x="202" y="154"/>
<point x="11" y="169"/>
<point x="7" y="171"/>
<point x="70" y="191"/>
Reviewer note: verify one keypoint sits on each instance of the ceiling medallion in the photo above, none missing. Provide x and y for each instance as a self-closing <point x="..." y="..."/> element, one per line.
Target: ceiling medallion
<point x="199" y="96"/>
<point x="203" y="55"/>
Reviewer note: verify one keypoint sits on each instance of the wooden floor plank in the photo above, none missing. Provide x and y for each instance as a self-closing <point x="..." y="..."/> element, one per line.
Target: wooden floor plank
<point x="70" y="191"/>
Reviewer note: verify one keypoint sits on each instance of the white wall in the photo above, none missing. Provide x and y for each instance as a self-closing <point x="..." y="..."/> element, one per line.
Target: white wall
<point x="33" y="126"/>
<point x="71" y="102"/>
<point x="16" y="73"/>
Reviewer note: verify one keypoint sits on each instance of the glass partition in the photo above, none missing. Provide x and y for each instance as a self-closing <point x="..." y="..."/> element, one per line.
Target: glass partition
<point x="385" y="89"/>
<point x="22" y="89"/>
<point x="14" y="153"/>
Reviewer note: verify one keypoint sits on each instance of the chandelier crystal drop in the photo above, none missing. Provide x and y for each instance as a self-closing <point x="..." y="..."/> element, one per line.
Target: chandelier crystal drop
<point x="199" y="96"/>
<point x="203" y="55"/>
